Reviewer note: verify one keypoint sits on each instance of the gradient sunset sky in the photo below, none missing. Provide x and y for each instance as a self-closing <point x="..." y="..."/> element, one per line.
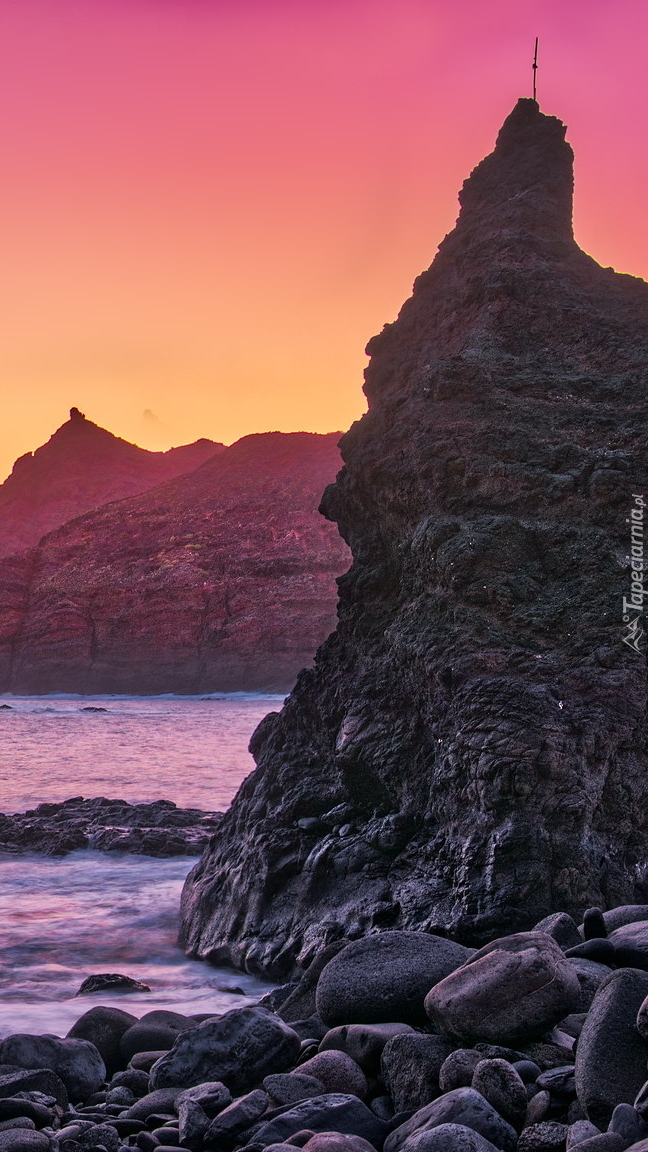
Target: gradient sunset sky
<point x="209" y="206"/>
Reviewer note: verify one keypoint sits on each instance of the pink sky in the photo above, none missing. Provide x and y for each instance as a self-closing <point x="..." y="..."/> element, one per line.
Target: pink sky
<point x="209" y="206"/>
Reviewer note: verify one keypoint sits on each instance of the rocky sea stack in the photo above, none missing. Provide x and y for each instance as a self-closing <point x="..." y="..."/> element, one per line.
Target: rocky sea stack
<point x="469" y="751"/>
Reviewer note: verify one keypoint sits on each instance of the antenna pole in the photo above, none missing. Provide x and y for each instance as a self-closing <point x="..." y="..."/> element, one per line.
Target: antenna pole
<point x="535" y="68"/>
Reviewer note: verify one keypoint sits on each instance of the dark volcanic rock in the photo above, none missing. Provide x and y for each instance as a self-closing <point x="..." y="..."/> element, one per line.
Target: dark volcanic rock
<point x="156" y="829"/>
<point x="611" y="1055"/>
<point x="76" y="1062"/>
<point x="385" y="978"/>
<point x="239" y="1049"/>
<point x="111" y="982"/>
<point x="104" y="1027"/>
<point x="513" y="989"/>
<point x="469" y="749"/>
<point x="221" y="579"/>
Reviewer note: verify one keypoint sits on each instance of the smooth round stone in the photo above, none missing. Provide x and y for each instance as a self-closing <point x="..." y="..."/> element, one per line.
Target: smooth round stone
<point x="337" y="1072"/>
<point x="104" y="1027"/>
<point x="154" y="1030"/>
<point x="291" y="1087"/>
<point x="625" y="914"/>
<point x="132" y="1078"/>
<point x="590" y="976"/>
<point x="144" y="1061"/>
<point x="611" y="1055"/>
<point x="527" y="1070"/>
<point x="562" y="928"/>
<point x="364" y="1043"/>
<point x="76" y="1062"/>
<point x="22" y="1140"/>
<point x="448" y="1138"/>
<point x="167" y="1136"/>
<point x="385" y="977"/>
<point x="17" y="1122"/>
<point x="499" y="1083"/>
<point x="628" y="1124"/>
<point x="606" y="1142"/>
<point x="513" y="989"/>
<point x="333" y="1112"/>
<point x="579" y="1131"/>
<point x="336" y="1142"/>
<point x="161" y="1100"/>
<point x="458" y="1069"/>
<point x="630" y="943"/>
<point x="538" y="1108"/>
<point x="462" y="1106"/>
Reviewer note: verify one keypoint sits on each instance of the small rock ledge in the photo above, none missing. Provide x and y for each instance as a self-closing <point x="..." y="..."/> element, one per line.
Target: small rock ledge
<point x="156" y="829"/>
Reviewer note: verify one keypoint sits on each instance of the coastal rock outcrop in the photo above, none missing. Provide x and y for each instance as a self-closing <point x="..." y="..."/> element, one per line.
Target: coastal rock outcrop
<point x="220" y="580"/>
<point x="469" y="750"/>
<point x="81" y="467"/>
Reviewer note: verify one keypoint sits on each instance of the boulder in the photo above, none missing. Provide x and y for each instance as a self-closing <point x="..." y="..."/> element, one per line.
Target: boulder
<point x="104" y="1027"/>
<point x="548" y="1136"/>
<point x="193" y="1123"/>
<point x="300" y="1003"/>
<point x="590" y="976"/>
<point x="364" y="1042"/>
<point x="22" y="1140"/>
<point x="337" y="1072"/>
<point x="458" y="1069"/>
<point x="155" y="1030"/>
<point x="76" y="1062"/>
<point x="241" y="1048"/>
<point x="561" y="927"/>
<point x="611" y="1055"/>
<point x="630" y="943"/>
<point x="448" y="1138"/>
<point x="212" y="1097"/>
<point x="291" y="1087"/>
<point x="513" y="989"/>
<point x="385" y="977"/>
<point x="236" y="1118"/>
<point x="333" y="1112"/>
<point x="410" y="1065"/>
<point x="628" y="1124"/>
<point x="33" y="1080"/>
<point x="336" y="1142"/>
<point x="499" y="1083"/>
<point x="38" y="1114"/>
<point x="579" y="1131"/>
<point x="162" y="1100"/>
<point x="111" y="982"/>
<point x="625" y="914"/>
<point x="462" y="1106"/>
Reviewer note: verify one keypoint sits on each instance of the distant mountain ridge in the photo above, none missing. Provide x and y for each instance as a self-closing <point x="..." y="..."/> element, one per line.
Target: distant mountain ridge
<point x="221" y="579"/>
<point x="81" y="467"/>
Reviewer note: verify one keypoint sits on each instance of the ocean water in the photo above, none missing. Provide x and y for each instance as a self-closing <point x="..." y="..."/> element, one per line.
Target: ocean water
<point x="64" y="919"/>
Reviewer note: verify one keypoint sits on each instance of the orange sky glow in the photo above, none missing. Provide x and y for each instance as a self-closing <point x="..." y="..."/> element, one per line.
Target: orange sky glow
<point x="209" y="206"/>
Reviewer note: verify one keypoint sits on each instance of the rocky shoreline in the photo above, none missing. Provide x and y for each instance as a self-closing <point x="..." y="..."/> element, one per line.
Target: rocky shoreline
<point x="396" y="1042"/>
<point x="108" y="825"/>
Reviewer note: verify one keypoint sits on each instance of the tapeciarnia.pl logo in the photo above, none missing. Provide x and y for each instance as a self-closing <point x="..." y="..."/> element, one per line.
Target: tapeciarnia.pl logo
<point x="633" y="607"/>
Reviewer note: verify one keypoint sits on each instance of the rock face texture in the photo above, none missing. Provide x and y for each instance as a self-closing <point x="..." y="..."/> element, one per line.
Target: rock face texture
<point x="220" y="580"/>
<point x="81" y="467"/>
<point x="470" y="747"/>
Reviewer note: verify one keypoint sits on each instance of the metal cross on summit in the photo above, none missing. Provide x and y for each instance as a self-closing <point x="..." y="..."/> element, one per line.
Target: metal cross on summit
<point x="535" y="68"/>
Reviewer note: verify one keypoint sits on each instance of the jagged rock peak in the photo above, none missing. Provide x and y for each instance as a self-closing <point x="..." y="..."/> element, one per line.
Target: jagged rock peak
<point x="470" y="749"/>
<point x="525" y="185"/>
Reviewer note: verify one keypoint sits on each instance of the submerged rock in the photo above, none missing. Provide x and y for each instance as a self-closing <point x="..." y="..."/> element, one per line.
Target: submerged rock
<point x="469" y="749"/>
